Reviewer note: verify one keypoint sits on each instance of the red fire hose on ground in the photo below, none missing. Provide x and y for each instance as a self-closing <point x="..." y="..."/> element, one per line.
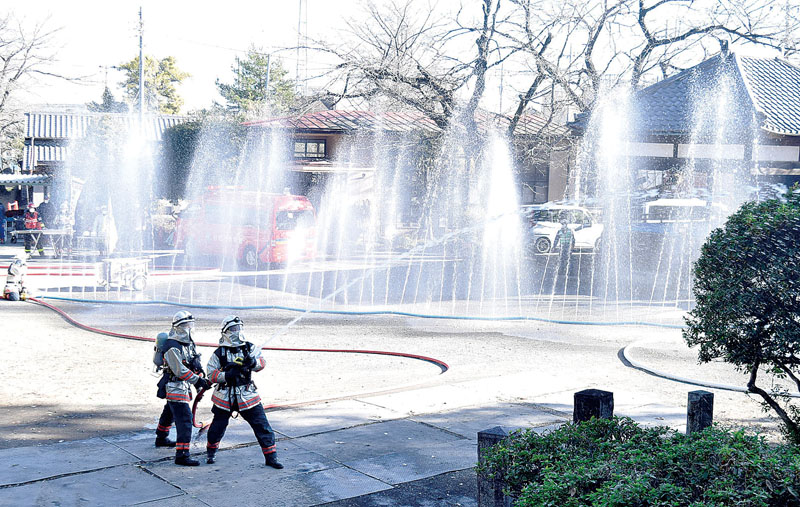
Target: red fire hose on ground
<point x="441" y="364"/>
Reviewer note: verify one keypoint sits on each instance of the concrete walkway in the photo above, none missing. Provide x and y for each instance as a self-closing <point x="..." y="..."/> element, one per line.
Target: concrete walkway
<point x="331" y="451"/>
<point x="373" y="451"/>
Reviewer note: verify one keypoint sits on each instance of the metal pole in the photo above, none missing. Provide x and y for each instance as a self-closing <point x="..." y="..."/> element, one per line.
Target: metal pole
<point x="297" y="65"/>
<point x="141" y="70"/>
<point x="266" y="86"/>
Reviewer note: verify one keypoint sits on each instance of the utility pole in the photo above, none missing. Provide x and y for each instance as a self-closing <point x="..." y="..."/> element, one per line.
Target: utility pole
<point x="785" y="42"/>
<point x="299" y="33"/>
<point x="141" y="70"/>
<point x="266" y="85"/>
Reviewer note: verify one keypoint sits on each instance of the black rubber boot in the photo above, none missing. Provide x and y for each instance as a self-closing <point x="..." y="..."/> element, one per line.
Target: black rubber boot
<point x="271" y="460"/>
<point x="164" y="442"/>
<point x="183" y="458"/>
<point x="211" y="456"/>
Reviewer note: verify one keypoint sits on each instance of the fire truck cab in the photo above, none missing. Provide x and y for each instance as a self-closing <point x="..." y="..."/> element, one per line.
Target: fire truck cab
<point x="256" y="228"/>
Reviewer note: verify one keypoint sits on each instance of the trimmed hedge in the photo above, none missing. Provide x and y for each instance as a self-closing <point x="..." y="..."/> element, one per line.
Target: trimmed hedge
<point x="615" y="462"/>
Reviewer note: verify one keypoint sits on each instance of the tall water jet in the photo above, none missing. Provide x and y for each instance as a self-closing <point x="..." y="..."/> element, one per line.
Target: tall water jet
<point x="609" y="181"/>
<point x="501" y="250"/>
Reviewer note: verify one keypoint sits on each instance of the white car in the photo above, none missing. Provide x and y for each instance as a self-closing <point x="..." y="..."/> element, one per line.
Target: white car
<point x="545" y="221"/>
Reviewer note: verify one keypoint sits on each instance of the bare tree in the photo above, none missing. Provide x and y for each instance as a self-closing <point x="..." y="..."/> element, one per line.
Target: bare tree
<point x="23" y="54"/>
<point x="408" y="56"/>
<point x="630" y="41"/>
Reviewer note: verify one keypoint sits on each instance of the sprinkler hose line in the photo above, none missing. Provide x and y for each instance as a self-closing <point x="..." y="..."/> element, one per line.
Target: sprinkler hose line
<point x="441" y="364"/>
<point x="370" y="313"/>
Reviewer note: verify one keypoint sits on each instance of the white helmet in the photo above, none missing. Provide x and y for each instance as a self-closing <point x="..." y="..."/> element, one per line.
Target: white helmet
<point x="181" y="318"/>
<point x="232" y="334"/>
<point x="230" y="324"/>
<point x="17" y="266"/>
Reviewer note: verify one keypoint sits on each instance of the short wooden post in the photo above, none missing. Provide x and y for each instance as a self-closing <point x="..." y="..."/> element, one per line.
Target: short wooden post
<point x="490" y="490"/>
<point x="699" y="411"/>
<point x="593" y="403"/>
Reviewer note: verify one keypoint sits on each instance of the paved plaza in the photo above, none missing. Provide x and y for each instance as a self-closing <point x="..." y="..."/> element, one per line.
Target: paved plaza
<point x="353" y="429"/>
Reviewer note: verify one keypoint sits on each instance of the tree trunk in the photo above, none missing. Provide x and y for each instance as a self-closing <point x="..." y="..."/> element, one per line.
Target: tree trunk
<point x="792" y="430"/>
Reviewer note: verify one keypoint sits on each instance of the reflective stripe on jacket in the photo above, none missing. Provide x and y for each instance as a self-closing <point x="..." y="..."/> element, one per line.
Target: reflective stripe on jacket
<point x="32" y="221"/>
<point x="244" y="396"/>
<point x="177" y="359"/>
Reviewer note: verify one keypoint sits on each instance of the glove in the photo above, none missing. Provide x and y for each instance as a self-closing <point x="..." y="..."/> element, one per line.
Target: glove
<point x="249" y="362"/>
<point x="196" y="365"/>
<point x="202" y="383"/>
<point x="233" y="373"/>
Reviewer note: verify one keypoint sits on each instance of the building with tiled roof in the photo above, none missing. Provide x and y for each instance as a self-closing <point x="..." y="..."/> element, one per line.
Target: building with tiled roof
<point x="48" y="134"/>
<point x="345" y="142"/>
<point x="743" y="110"/>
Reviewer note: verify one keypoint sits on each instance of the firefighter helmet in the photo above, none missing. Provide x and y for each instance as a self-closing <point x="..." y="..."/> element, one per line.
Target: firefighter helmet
<point x="182" y="318"/>
<point x="232" y="323"/>
<point x="232" y="334"/>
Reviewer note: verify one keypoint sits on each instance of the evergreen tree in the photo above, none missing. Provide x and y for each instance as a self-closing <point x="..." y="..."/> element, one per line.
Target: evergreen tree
<point x="108" y="105"/>
<point x="160" y="80"/>
<point x="248" y="96"/>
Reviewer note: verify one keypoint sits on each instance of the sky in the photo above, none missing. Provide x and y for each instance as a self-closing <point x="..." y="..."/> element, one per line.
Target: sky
<point x="204" y="37"/>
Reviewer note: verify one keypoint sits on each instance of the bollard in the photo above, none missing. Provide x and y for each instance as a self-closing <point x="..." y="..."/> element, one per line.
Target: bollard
<point x="490" y="490"/>
<point x="699" y="411"/>
<point x="592" y="403"/>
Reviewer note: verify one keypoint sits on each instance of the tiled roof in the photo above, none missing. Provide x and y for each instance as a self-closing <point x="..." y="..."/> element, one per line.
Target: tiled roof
<point x="74" y="126"/>
<point x="25" y="179"/>
<point x="745" y="90"/>
<point x="774" y="87"/>
<point x="347" y="121"/>
<point x="351" y="121"/>
<point x="690" y="102"/>
<point x="43" y="154"/>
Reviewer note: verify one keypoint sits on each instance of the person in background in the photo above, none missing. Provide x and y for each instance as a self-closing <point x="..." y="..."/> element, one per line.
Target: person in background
<point x="47" y="213"/>
<point x="64" y="218"/>
<point x="32" y="223"/>
<point x="105" y="232"/>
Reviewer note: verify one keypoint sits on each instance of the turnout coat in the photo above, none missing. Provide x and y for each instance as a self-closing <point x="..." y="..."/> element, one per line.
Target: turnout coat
<point x="240" y="397"/>
<point x="183" y="365"/>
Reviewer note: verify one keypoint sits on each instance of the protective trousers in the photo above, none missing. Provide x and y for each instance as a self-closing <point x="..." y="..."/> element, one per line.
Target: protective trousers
<point x="29" y="244"/>
<point x="181" y="414"/>
<point x="255" y="417"/>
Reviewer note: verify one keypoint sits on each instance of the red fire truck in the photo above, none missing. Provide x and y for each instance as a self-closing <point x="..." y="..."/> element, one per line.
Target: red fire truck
<point x="257" y="228"/>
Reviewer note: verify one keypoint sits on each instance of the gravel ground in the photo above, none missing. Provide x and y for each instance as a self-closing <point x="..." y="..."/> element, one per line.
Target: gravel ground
<point x="67" y="383"/>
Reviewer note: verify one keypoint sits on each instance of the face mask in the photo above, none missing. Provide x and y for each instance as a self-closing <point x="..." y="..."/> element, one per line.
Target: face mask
<point x="237" y="337"/>
<point x="184" y="331"/>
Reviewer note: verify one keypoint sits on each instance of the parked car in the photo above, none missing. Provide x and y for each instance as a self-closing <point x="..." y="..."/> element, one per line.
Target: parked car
<point x="679" y="216"/>
<point x="677" y="210"/>
<point x="544" y="221"/>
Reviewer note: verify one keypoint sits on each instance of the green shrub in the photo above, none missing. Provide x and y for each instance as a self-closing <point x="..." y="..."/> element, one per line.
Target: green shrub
<point x="747" y="312"/>
<point x="615" y="462"/>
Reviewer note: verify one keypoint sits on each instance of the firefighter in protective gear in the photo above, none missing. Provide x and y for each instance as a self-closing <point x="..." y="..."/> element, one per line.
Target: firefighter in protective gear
<point x="182" y="367"/>
<point x="231" y="366"/>
<point x="32" y="223"/>
<point x="15" y="280"/>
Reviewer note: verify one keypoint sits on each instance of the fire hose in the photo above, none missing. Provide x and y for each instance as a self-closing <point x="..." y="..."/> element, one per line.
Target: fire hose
<point x="441" y="364"/>
<point x="203" y="427"/>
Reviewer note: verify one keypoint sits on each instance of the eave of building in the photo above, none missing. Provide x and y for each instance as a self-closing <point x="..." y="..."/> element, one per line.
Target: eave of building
<point x="326" y="166"/>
